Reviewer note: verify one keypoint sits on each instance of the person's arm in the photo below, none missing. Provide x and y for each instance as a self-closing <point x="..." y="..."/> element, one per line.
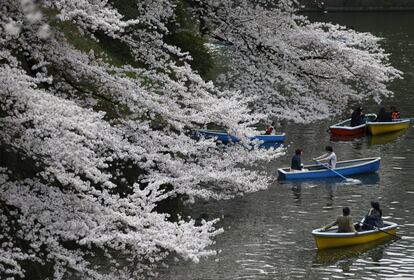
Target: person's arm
<point x="322" y="157"/>
<point x="300" y="165"/>
<point x="328" y="226"/>
<point x="351" y="225"/>
<point x="325" y="157"/>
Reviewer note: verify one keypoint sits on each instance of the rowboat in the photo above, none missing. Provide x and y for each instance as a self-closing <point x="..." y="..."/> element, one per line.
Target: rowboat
<point x="348" y="167"/>
<point x="344" y="128"/>
<point x="226" y="138"/>
<point x="376" y="128"/>
<point x="334" y="239"/>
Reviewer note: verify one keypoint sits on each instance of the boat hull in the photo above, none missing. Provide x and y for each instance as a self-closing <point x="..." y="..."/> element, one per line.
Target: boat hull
<point x="377" y="128"/>
<point x="350" y="167"/>
<point x="226" y="138"/>
<point x="348" y="132"/>
<point x="326" y="240"/>
<point x="344" y="128"/>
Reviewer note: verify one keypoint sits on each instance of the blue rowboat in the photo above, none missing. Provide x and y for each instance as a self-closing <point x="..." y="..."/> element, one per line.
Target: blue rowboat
<point x="226" y="138"/>
<point x="345" y="168"/>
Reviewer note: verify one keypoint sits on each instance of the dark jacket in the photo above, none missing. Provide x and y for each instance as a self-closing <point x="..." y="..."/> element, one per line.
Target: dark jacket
<point x="296" y="163"/>
<point x="357" y="119"/>
<point x="384" y="117"/>
<point x="373" y="219"/>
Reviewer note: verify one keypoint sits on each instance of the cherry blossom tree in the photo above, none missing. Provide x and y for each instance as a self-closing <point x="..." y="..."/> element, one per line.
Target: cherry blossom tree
<point x="109" y="137"/>
<point x="290" y="67"/>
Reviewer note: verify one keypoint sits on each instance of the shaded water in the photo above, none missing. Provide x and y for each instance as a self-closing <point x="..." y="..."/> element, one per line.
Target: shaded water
<point x="268" y="234"/>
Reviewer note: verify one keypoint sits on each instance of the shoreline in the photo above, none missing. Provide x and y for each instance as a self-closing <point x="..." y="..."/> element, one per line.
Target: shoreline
<point x="356" y="5"/>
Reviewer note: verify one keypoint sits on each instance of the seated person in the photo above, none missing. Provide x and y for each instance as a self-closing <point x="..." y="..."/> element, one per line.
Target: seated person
<point x="269" y="130"/>
<point x="395" y="115"/>
<point x="357" y="117"/>
<point x="383" y="116"/>
<point x="330" y="156"/>
<point x="374" y="217"/>
<point x="344" y="222"/>
<point x="297" y="161"/>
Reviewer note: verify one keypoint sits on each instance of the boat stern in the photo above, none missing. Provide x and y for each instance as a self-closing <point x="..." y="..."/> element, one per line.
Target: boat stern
<point x="281" y="174"/>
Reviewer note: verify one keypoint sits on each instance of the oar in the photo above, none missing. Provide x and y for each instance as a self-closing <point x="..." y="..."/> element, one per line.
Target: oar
<point x="337" y="173"/>
<point x="362" y="221"/>
<point x="377" y="228"/>
<point x="411" y="119"/>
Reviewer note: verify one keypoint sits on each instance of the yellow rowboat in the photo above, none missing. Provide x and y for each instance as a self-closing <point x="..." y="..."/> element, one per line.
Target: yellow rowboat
<point x="333" y="239"/>
<point x="376" y="128"/>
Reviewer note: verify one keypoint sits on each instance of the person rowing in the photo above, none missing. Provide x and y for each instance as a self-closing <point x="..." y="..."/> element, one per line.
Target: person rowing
<point x="330" y="157"/>
<point x="344" y="222"/>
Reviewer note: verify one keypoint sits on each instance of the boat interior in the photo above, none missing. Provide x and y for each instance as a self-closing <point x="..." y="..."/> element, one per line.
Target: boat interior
<point x="340" y="164"/>
<point x="368" y="118"/>
<point x="335" y="228"/>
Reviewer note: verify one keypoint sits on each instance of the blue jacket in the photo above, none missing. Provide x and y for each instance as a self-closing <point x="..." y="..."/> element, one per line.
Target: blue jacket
<point x="296" y="163"/>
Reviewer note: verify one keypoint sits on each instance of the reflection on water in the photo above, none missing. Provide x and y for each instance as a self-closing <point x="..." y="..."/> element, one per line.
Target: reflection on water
<point x="386" y="138"/>
<point x="373" y="250"/>
<point x="338" y="138"/>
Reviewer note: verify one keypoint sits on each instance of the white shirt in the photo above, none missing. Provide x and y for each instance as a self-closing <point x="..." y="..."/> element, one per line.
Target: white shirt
<point x="330" y="157"/>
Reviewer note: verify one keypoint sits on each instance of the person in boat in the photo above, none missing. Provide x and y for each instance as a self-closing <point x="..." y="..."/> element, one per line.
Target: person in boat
<point x="343" y="222"/>
<point x="297" y="161"/>
<point x="383" y="116"/>
<point x="395" y="115"/>
<point x="330" y="157"/>
<point x="373" y="218"/>
<point x="270" y="130"/>
<point x="358" y="117"/>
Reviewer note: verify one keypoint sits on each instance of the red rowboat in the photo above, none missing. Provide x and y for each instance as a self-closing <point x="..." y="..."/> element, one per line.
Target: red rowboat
<point x="345" y="128"/>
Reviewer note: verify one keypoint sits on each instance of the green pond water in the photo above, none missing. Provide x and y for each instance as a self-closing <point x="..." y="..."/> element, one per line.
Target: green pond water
<point x="268" y="233"/>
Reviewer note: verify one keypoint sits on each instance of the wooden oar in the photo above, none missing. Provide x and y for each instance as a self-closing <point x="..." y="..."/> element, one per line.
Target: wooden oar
<point x="337" y="173"/>
<point x="377" y="228"/>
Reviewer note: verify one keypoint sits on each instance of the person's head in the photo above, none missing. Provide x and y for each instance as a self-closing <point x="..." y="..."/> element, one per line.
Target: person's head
<point x="359" y="110"/>
<point x="346" y="211"/>
<point x="375" y="205"/>
<point x="298" y="152"/>
<point x="329" y="149"/>
<point x="393" y="108"/>
<point x="382" y="110"/>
